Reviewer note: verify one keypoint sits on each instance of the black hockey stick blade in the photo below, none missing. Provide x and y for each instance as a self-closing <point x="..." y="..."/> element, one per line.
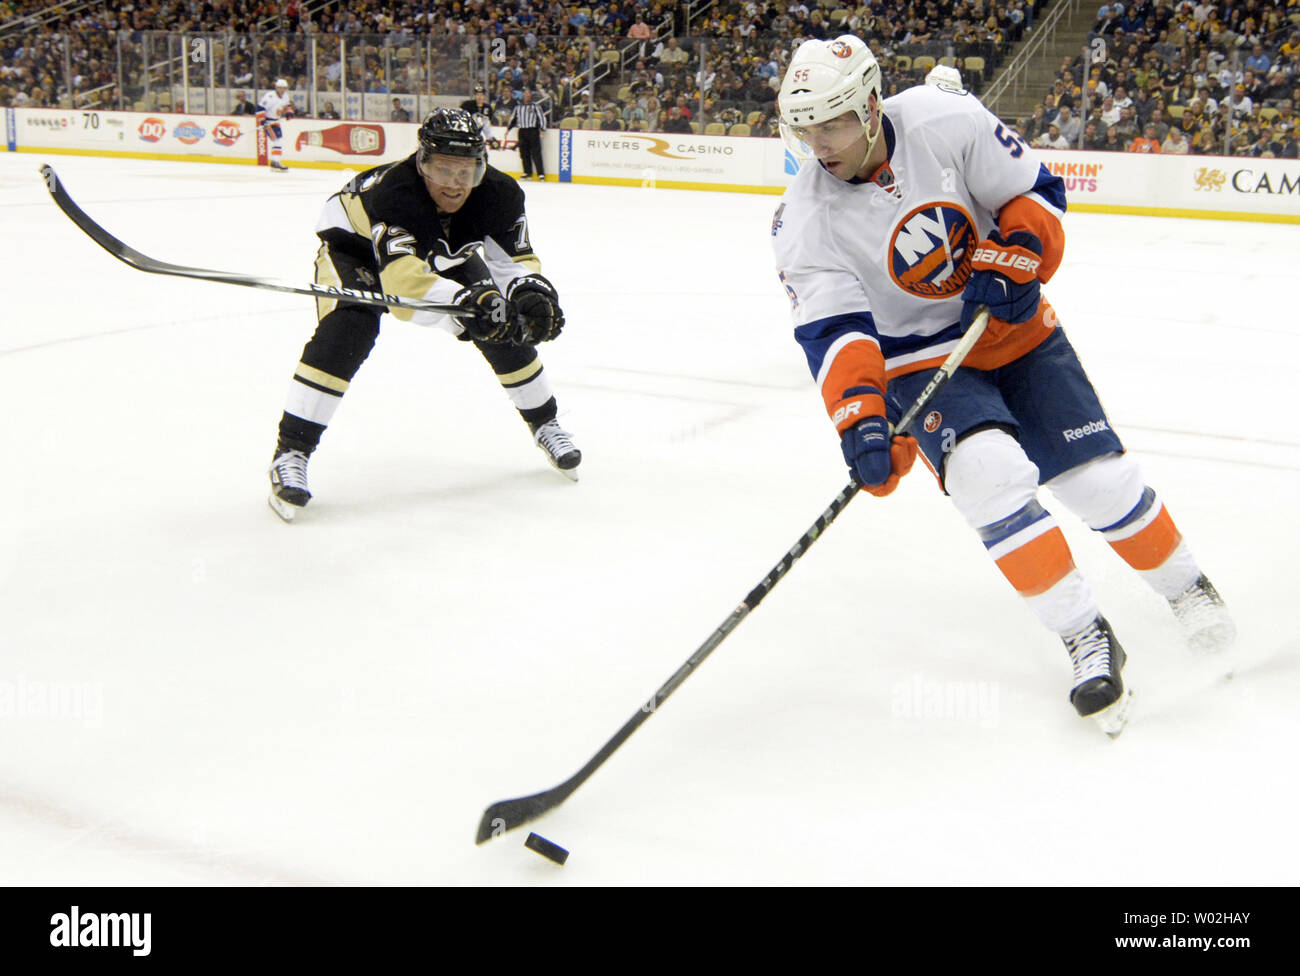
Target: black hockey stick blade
<point x="142" y="262"/>
<point x="506" y="815"/>
<point x="509" y="814"/>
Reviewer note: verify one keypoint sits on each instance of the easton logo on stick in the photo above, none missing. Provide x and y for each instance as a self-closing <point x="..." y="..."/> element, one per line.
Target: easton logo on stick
<point x="354" y="292"/>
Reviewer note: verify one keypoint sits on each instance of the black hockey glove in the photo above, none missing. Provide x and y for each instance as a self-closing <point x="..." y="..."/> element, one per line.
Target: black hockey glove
<point x="489" y="323"/>
<point x="534" y="310"/>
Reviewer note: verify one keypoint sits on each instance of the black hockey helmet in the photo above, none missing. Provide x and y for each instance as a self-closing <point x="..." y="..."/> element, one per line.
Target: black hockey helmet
<point x="453" y="132"/>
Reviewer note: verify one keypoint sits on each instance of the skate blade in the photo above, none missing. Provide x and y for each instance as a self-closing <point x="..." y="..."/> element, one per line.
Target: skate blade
<point x="1114" y="717"/>
<point x="570" y="473"/>
<point x="283" y="508"/>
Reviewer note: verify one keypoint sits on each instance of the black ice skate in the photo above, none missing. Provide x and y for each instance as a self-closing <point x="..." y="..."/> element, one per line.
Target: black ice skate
<point x="557" y="444"/>
<point x="278" y="166"/>
<point x="1098" y="690"/>
<point x="1204" y="618"/>
<point x="288" y="482"/>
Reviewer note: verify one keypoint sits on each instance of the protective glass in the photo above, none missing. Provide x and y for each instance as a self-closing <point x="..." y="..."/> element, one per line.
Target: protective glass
<point x="452" y="171"/>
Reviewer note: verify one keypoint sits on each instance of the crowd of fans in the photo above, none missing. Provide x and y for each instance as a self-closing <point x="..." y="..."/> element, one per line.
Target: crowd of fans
<point x="1187" y="77"/>
<point x="725" y="64"/>
<point x="1174" y="75"/>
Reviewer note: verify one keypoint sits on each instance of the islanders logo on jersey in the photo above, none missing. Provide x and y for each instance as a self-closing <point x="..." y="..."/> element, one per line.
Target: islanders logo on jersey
<point x="930" y="251"/>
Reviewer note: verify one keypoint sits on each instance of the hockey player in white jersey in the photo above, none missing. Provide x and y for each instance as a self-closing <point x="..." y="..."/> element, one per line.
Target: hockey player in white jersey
<point x="907" y="215"/>
<point x="275" y="106"/>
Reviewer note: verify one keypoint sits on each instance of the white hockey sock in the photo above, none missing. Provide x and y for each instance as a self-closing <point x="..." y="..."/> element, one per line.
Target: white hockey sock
<point x="314" y="394"/>
<point x="528" y="387"/>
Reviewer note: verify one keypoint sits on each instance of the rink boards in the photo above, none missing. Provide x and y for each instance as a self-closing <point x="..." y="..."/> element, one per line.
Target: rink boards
<point x="1233" y="188"/>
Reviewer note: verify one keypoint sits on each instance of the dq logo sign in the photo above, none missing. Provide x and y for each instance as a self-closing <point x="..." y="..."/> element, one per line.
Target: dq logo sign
<point x="226" y="133"/>
<point x="152" y="129"/>
<point x="930" y="251"/>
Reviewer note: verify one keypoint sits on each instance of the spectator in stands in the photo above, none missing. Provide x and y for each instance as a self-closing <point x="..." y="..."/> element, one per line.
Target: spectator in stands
<point x="1261" y="145"/>
<point x="505" y="105"/>
<point x="1285" y="113"/>
<point x="1049" y="108"/>
<point x="1108" y="20"/>
<point x="609" y="121"/>
<point x="398" y="114"/>
<point x="1111" y="141"/>
<point x="1157" y="119"/>
<point x="1132" y="20"/>
<point x="673" y="56"/>
<point x="1171" y="78"/>
<point x="1036" y="124"/>
<point x="242" y="105"/>
<point x="676" y="121"/>
<point x="1175" y="143"/>
<point x="1204" y="141"/>
<point x="1242" y="104"/>
<point x="1258" y="61"/>
<point x="1147" y="142"/>
<point x="632" y="112"/>
<point x="1109" y="111"/>
<point x="1093" y="137"/>
<point x="1127" y="127"/>
<point x="640" y="30"/>
<point x="1061" y="95"/>
<point x="1290" y="147"/>
<point x="1068" y="126"/>
<point x="1052" y="139"/>
<point x="328" y="111"/>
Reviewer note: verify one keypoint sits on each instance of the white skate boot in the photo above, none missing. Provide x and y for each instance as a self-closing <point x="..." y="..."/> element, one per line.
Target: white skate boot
<point x="1204" y="618"/>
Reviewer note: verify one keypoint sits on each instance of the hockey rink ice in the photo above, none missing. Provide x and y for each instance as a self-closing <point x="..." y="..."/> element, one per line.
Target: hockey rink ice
<point x="195" y="693"/>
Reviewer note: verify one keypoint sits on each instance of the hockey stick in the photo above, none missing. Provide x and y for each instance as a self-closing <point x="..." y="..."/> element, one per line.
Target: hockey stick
<point x="509" y="814"/>
<point x="142" y="262"/>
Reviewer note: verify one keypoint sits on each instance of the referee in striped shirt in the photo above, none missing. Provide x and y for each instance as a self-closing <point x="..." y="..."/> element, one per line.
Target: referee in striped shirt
<point x="530" y="120"/>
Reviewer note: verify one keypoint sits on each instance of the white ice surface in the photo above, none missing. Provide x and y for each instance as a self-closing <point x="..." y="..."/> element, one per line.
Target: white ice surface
<point x="452" y="623"/>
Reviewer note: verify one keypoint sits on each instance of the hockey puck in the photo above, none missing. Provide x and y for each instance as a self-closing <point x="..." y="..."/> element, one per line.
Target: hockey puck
<point x="538" y="843"/>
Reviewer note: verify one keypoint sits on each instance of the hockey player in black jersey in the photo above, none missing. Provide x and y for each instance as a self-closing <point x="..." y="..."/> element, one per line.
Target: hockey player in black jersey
<point x="440" y="225"/>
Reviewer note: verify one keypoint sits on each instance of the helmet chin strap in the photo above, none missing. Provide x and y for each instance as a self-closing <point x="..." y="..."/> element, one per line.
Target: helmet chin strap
<point x="880" y="128"/>
<point x="871" y="143"/>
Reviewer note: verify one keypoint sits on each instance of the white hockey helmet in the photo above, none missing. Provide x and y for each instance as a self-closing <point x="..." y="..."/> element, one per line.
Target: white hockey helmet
<point x="825" y="79"/>
<point x="280" y="83"/>
<point x="942" y="74"/>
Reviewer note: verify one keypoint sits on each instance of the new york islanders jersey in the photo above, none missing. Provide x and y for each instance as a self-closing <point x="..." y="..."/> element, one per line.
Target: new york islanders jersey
<point x="276" y="108"/>
<point x="385" y="218"/>
<point x="875" y="270"/>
